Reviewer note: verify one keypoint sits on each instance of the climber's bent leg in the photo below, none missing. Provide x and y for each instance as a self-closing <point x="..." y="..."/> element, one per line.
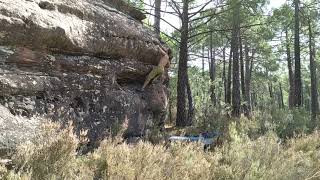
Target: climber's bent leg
<point x="156" y="72"/>
<point x="150" y="76"/>
<point x="155" y="78"/>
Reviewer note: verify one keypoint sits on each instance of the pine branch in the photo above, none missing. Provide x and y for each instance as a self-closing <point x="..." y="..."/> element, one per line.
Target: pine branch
<point x="175" y="28"/>
<point x="195" y="13"/>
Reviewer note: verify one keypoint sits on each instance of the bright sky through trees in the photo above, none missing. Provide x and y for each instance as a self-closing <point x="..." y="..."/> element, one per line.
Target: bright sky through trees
<point x="175" y="21"/>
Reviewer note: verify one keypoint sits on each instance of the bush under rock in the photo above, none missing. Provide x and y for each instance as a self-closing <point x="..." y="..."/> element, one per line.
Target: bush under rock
<point x="53" y="156"/>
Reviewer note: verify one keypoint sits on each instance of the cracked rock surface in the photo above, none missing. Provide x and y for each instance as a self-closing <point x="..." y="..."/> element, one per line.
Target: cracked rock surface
<point x="77" y="60"/>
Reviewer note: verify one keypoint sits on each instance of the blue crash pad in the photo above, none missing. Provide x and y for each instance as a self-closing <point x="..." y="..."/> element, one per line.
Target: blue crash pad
<point x="205" y="138"/>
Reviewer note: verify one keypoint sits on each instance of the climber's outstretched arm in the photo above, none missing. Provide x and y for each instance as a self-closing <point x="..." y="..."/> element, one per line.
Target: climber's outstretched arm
<point x="163" y="53"/>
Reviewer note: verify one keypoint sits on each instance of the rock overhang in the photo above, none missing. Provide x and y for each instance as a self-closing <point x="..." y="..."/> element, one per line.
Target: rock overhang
<point x="81" y="26"/>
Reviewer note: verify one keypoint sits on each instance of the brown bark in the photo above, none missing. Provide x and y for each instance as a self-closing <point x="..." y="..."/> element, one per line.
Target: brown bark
<point x="209" y="60"/>
<point x="157" y="13"/>
<point x="190" y="104"/>
<point x="270" y="87"/>
<point x="236" y="97"/>
<point x="224" y="74"/>
<point x="313" y="77"/>
<point x="212" y="71"/>
<point x="297" y="73"/>
<point x="181" y="120"/>
<point x="302" y="96"/>
<point x="281" y="102"/>
<point x="228" y="88"/>
<point x="289" y="62"/>
<point x="203" y="60"/>
<point x="247" y="81"/>
<point x="253" y="101"/>
<point x="243" y="90"/>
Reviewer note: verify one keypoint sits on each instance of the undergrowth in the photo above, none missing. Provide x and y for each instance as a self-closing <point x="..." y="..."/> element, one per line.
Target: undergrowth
<point x="53" y="155"/>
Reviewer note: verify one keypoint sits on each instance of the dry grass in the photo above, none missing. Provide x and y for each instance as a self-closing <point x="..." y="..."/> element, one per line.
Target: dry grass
<point x="3" y="171"/>
<point x="53" y="156"/>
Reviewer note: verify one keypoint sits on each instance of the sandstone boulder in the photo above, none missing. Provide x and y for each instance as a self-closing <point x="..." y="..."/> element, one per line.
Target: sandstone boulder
<point x="81" y="61"/>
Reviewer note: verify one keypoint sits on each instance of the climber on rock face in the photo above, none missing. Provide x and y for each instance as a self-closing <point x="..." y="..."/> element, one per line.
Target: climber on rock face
<point x="159" y="70"/>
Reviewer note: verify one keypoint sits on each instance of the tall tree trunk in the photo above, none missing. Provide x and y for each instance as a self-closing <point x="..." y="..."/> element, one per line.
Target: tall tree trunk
<point x="291" y="80"/>
<point x="313" y="76"/>
<point x="183" y="68"/>
<point x="247" y="80"/>
<point x="190" y="104"/>
<point x="212" y="71"/>
<point x="228" y="90"/>
<point x="242" y="77"/>
<point x="254" y="100"/>
<point x="157" y="13"/>
<point x="209" y="60"/>
<point x="305" y="99"/>
<point x="203" y="60"/>
<point x="302" y="96"/>
<point x="270" y="91"/>
<point x="224" y="74"/>
<point x="243" y="90"/>
<point x="236" y="97"/>
<point x="297" y="73"/>
<point x="281" y="103"/>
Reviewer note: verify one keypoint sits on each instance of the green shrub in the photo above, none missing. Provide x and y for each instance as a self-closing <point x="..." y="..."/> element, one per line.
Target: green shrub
<point x="286" y="123"/>
<point x="266" y="158"/>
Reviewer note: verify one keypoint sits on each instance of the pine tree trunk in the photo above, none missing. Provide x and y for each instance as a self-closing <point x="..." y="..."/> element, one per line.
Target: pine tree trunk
<point x="281" y="103"/>
<point x="313" y="77"/>
<point x="203" y="60"/>
<point x="270" y="91"/>
<point x="181" y="120"/>
<point x="157" y="13"/>
<point x="243" y="90"/>
<point x="212" y="72"/>
<point x="190" y="104"/>
<point x="247" y="80"/>
<point x="236" y="97"/>
<point x="305" y="99"/>
<point x="228" y="90"/>
<point x="291" y="80"/>
<point x="224" y="74"/>
<point x="242" y="76"/>
<point x="209" y="60"/>
<point x="253" y="101"/>
<point x="170" y="111"/>
<point x="302" y="96"/>
<point x="297" y="73"/>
